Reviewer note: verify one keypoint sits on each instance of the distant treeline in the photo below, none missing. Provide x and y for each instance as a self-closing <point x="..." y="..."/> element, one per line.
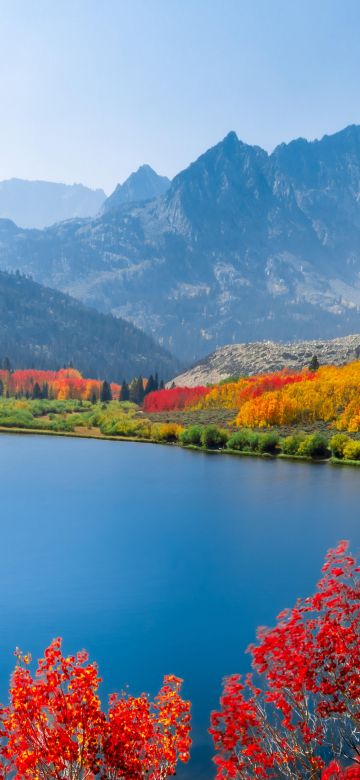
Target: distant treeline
<point x="68" y="383"/>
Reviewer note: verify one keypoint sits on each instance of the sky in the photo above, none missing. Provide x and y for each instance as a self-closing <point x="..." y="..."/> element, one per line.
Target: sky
<point x="91" y="89"/>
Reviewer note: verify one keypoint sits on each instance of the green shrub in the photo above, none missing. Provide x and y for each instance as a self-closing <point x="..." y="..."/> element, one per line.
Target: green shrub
<point x="253" y="442"/>
<point x="191" y="435"/>
<point x="337" y="444"/>
<point x="315" y="446"/>
<point x="240" y="440"/>
<point x="268" y="442"/>
<point x="290" y="445"/>
<point x="213" y="437"/>
<point x="352" y="450"/>
<point x="61" y="425"/>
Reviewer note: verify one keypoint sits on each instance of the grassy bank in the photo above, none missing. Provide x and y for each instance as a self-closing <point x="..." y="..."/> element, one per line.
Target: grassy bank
<point x="96" y="434"/>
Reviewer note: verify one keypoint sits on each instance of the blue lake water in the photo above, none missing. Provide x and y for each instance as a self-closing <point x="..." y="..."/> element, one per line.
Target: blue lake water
<point x="158" y="560"/>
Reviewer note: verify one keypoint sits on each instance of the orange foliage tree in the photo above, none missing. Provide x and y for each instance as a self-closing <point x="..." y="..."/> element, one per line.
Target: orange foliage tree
<point x="60" y="385"/>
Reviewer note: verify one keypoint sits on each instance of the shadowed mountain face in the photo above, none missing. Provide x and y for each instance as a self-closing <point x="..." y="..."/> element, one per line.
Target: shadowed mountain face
<point x="46" y="329"/>
<point x="243" y="246"/>
<point x="36" y="204"/>
<point x="142" y="185"/>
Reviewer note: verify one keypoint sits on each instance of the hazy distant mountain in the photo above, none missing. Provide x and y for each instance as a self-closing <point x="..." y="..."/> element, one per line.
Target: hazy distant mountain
<point x="44" y="328"/>
<point x="243" y="246"/>
<point x="268" y="356"/>
<point x="142" y="185"/>
<point x="37" y="204"/>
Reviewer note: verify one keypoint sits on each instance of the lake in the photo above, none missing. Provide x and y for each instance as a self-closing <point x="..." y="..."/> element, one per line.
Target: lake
<point x="158" y="560"/>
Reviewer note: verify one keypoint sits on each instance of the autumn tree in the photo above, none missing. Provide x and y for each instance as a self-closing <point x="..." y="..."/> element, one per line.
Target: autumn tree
<point x="303" y="712"/>
<point x="146" y="739"/>
<point x="54" y="727"/>
<point x="54" y="720"/>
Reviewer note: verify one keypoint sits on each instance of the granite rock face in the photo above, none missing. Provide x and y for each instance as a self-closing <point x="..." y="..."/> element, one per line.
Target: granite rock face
<point x="268" y="356"/>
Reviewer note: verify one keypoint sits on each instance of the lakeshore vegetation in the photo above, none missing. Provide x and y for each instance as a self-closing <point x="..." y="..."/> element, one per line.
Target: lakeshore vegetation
<point x="312" y="414"/>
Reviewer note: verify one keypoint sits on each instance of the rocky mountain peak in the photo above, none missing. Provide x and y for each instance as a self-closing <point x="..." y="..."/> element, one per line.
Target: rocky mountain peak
<point x="144" y="184"/>
<point x="242" y="246"/>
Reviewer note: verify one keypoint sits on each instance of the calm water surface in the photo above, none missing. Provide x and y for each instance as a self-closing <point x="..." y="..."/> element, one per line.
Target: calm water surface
<point x="159" y="560"/>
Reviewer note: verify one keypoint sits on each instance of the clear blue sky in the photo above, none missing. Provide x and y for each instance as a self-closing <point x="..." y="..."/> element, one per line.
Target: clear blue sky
<point x="90" y="89"/>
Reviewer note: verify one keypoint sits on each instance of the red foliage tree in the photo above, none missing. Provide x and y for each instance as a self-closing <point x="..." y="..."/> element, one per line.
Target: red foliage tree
<point x="265" y="383"/>
<point x="147" y="739"/>
<point x="54" y="720"/>
<point x="173" y="399"/>
<point x="307" y="708"/>
<point x="54" y="727"/>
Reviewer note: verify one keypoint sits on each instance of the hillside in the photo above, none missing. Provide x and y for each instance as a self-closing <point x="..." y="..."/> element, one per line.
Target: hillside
<point x="37" y="204"/>
<point x="243" y="246"/>
<point x="45" y="329"/>
<point x="268" y="356"/>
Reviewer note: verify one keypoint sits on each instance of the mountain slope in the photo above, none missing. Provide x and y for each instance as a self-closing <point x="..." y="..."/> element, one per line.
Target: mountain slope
<point x="36" y="204"/>
<point x="268" y="356"/>
<point x="243" y="246"/>
<point x="142" y="185"/>
<point x="46" y="329"/>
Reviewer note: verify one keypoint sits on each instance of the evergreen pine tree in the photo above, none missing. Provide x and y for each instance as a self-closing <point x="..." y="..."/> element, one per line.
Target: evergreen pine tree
<point x="156" y="381"/>
<point x="137" y="391"/>
<point x="125" y="392"/>
<point x="314" y="364"/>
<point x="105" y="394"/>
<point x="140" y="390"/>
<point x="150" y="387"/>
<point x="36" y="393"/>
<point x="162" y="385"/>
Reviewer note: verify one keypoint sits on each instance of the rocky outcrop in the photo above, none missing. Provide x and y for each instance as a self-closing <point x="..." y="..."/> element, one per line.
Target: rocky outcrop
<point x="267" y="356"/>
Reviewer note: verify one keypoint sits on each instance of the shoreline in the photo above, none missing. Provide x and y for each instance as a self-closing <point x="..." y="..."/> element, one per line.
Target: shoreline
<point x="192" y="448"/>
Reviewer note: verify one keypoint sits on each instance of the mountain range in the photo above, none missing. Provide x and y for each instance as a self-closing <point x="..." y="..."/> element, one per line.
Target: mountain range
<point x="241" y="246"/>
<point x="38" y="204"/>
<point x="45" y="329"/>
